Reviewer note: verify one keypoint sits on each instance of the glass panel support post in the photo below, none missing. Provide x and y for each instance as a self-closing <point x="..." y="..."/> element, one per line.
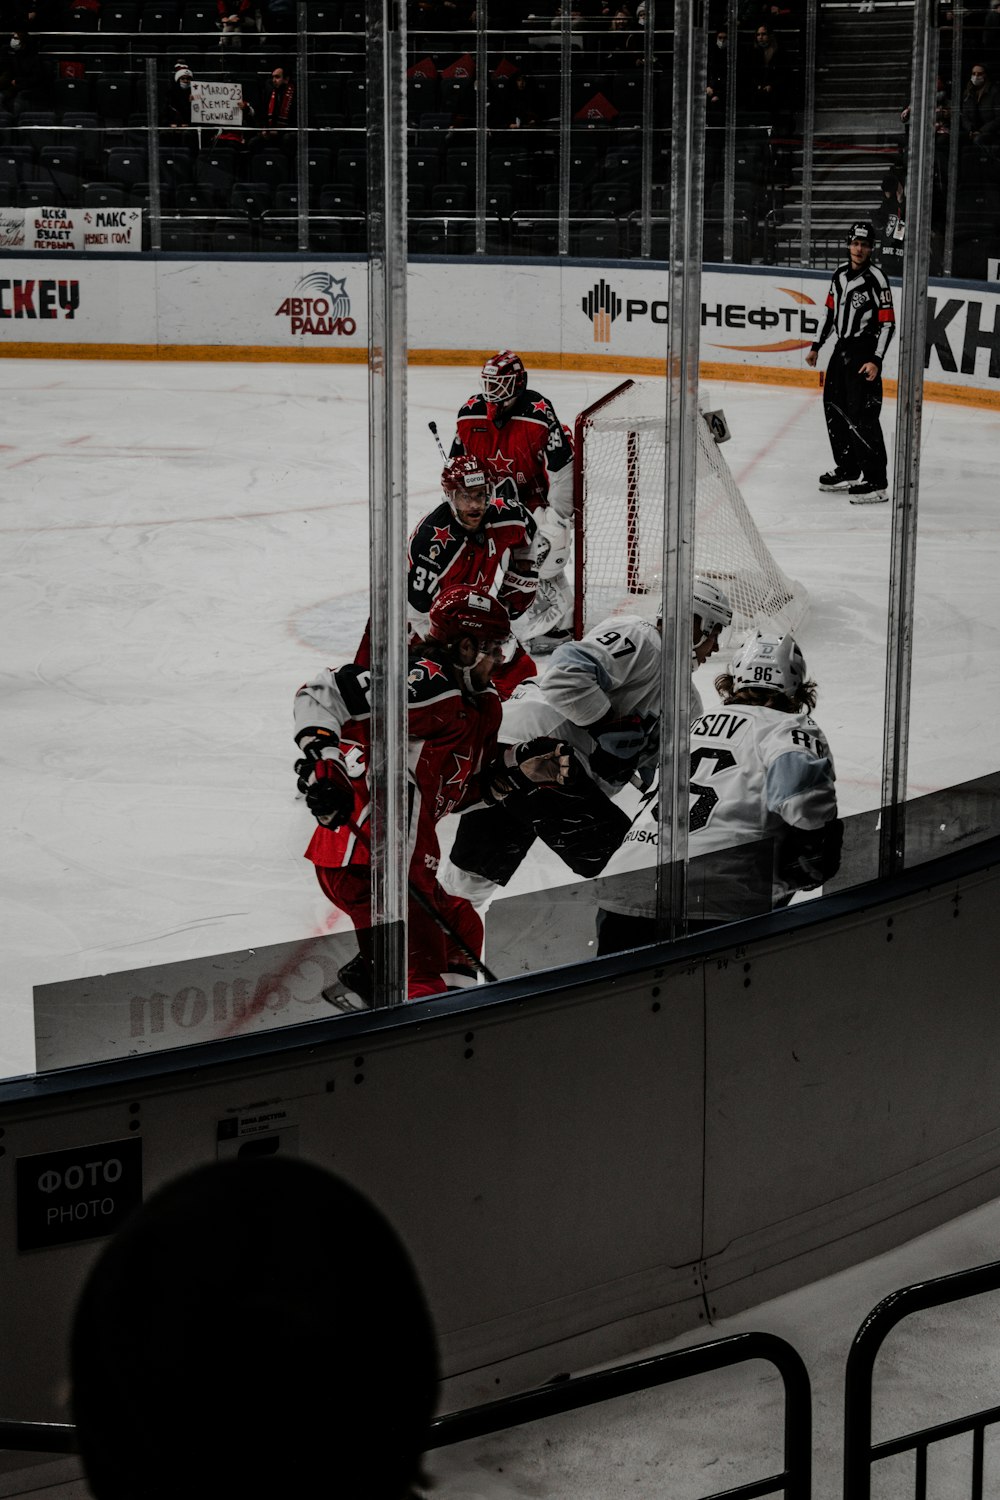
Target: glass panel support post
<point x="648" y="137"/>
<point x="153" y="132"/>
<point x="808" y="132"/>
<point x="906" y="467"/>
<point x="302" y="115"/>
<point x="386" y="119"/>
<point x="687" y="177"/>
<point x="729" y="143"/>
<point x="482" y="91"/>
<point x="951" y="193"/>
<point x="565" y="123"/>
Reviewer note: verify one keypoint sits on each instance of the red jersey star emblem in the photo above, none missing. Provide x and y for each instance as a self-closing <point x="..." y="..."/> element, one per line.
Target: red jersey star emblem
<point x="539" y="405"/>
<point x="432" y="668"/>
<point x="463" y="764"/>
<point x="498" y="502"/>
<point x="471" y="402"/>
<point x="443" y="534"/>
<point x="505" y="465"/>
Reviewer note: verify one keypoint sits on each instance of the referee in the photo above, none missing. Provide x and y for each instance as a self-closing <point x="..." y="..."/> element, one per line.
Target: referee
<point x="859" y="311"/>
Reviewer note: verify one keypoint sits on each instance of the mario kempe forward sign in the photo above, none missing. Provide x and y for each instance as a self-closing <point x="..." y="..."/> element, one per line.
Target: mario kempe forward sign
<point x="215" y="103"/>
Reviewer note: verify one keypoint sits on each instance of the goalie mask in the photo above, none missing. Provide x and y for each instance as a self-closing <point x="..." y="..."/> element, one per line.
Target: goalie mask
<point x="467" y="483"/>
<point x="771" y="662"/>
<point x="465" y="610"/>
<point x="504" y="378"/>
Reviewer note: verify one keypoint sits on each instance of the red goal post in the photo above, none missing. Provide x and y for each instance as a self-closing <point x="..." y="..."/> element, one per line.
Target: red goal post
<point x="619" y="467"/>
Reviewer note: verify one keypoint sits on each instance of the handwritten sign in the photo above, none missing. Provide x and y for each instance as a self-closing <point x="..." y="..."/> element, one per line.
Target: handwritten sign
<point x="216" y="103"/>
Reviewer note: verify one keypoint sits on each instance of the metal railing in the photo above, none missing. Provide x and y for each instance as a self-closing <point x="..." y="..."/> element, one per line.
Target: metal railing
<point x="860" y="1453"/>
<point x="794" y="1480"/>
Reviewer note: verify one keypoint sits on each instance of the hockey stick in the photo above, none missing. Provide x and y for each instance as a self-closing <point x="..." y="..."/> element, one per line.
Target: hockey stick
<point x="434" y="429"/>
<point x="426" y="905"/>
<point x="840" y="412"/>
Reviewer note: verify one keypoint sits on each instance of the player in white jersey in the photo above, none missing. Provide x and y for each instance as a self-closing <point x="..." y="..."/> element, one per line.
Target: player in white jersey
<point x="763" y="816"/>
<point x="601" y="697"/>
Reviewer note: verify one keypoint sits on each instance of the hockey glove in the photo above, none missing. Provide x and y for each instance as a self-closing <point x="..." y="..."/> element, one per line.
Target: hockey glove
<point x="518" y="768"/>
<point x="330" y="793"/>
<point x="518" y="590"/>
<point x="313" y="743"/>
<point x="807" y="858"/>
<point x="618" y="746"/>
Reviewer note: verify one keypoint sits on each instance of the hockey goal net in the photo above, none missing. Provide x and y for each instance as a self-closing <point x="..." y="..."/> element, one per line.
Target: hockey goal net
<point x="619" y="478"/>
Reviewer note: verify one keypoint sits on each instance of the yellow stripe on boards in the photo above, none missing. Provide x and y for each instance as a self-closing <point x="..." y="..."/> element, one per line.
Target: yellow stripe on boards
<point x="612" y="364"/>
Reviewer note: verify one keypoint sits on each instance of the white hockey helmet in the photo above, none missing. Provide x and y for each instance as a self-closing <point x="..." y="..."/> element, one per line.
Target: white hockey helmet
<point x="711" y="606"/>
<point x="769" y="661"/>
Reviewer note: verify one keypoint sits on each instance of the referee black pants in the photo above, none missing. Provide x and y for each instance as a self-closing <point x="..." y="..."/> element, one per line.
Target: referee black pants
<point x="852" y="406"/>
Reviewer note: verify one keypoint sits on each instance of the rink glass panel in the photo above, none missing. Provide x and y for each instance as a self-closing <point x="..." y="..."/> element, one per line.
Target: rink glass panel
<point x="524" y="186"/>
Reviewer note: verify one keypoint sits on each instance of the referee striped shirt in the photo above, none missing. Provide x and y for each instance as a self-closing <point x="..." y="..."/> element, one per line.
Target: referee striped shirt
<point x="859" y="307"/>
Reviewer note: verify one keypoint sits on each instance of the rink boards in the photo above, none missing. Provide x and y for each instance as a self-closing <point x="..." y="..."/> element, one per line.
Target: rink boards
<point x="757" y="323"/>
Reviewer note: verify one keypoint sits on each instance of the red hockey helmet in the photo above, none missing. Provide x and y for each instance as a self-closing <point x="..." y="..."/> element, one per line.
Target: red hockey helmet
<point x="504" y="378"/>
<point x="464" y="610"/>
<point x="475" y="475"/>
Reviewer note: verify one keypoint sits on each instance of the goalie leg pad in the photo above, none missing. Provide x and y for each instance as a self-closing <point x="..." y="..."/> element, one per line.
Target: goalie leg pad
<point x="554" y="537"/>
<point x="551" y="611"/>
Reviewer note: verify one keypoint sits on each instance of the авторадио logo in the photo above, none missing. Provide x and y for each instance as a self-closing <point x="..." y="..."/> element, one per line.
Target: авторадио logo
<point x="602" y="307"/>
<point x="324" y="309"/>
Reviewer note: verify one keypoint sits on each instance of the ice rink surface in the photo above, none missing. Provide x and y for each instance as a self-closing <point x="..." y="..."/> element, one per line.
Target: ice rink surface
<point x="184" y="543"/>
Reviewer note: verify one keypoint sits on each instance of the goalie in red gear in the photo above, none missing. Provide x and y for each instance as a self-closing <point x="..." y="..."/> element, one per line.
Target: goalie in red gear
<point x="518" y="430"/>
<point x="452" y="721"/>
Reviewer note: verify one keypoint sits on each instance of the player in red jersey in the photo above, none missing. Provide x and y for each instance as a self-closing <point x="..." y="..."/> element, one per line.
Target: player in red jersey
<point x="453" y="763"/>
<point x="517" y="429"/>
<point x="481" y="535"/>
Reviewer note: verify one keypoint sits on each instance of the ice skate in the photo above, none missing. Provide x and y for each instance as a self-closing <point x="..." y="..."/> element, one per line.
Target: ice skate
<point x="867" y="494"/>
<point x="356" y="976"/>
<point x="837" y="479"/>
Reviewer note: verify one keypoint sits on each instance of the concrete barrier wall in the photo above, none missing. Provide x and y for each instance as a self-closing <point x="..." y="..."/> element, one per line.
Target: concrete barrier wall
<point x="580" y="1168"/>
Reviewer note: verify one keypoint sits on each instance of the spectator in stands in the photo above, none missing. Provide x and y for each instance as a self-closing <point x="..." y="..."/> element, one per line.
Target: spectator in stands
<point x="890" y="222"/>
<point x="21" y="72"/>
<point x="980" y="114"/>
<point x="277" y="15"/>
<point x="768" y="77"/>
<point x="576" y="26"/>
<point x="718" y="76"/>
<point x="632" y="44"/>
<point x="236" y="18"/>
<point x="280" y="108"/>
<point x="522" y="105"/>
<point x="256" y="1329"/>
<point x="179" y="98"/>
<point x="622" y="29"/>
